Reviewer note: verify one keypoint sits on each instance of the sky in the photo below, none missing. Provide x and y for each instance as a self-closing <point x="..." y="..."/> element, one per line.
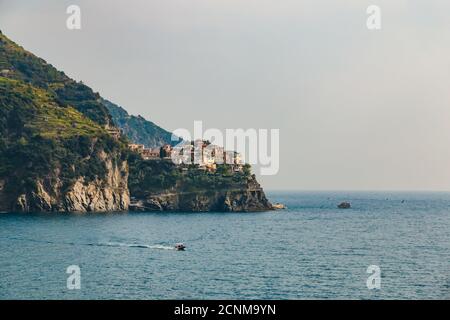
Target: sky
<point x="357" y="109"/>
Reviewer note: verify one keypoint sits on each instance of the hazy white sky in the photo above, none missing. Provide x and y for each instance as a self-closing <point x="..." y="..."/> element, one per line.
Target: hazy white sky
<point x="356" y="109"/>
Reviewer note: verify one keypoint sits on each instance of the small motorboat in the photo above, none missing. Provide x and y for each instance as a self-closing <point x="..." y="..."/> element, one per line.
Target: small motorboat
<point x="180" y="247"/>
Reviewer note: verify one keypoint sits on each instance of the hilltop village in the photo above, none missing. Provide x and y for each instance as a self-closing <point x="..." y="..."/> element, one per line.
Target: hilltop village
<point x="202" y="154"/>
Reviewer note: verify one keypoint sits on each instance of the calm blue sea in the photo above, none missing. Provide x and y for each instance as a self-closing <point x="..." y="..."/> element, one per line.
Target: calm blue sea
<point x="311" y="250"/>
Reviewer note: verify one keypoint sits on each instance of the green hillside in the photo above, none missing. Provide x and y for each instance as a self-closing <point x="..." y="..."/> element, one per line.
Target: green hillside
<point x="34" y="112"/>
<point x="19" y="64"/>
<point x="52" y="129"/>
<point x="37" y="137"/>
<point x="137" y="129"/>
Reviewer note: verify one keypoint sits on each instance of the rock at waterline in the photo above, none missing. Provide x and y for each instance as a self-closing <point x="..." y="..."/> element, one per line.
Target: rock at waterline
<point x="344" y="205"/>
<point x="278" y="206"/>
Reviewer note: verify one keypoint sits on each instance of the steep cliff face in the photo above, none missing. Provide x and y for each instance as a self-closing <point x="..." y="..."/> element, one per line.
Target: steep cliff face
<point x="248" y="198"/>
<point x="101" y="195"/>
<point x="53" y="194"/>
<point x="58" y="151"/>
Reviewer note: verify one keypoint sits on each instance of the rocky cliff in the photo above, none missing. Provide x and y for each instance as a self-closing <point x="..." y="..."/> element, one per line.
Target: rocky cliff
<point x="54" y="194"/>
<point x="58" y="150"/>
<point x="247" y="198"/>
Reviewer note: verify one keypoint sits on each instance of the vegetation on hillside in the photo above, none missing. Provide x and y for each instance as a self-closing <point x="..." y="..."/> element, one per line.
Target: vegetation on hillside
<point x="51" y="127"/>
<point x="156" y="176"/>
<point x="38" y="138"/>
<point x="137" y="129"/>
<point x="19" y="64"/>
<point x="35" y="111"/>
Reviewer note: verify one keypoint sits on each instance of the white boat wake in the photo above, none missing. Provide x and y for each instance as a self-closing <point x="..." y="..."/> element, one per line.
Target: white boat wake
<point x="100" y="244"/>
<point x="136" y="245"/>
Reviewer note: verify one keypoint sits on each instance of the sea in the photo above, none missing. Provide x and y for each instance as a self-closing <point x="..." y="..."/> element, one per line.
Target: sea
<point x="388" y="245"/>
